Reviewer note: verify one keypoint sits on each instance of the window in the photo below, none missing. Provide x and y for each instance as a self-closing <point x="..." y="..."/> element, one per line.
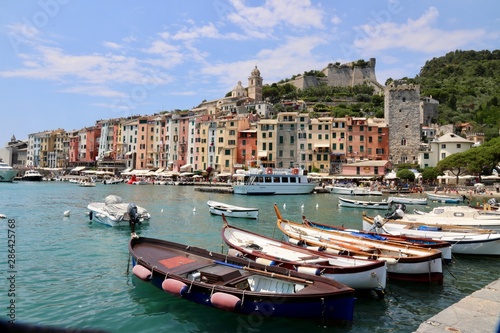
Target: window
<point x="459" y="146"/>
<point x="403" y="142"/>
<point x="350" y="138"/>
<point x="361" y="138"/>
<point x="443" y="146"/>
<point x="426" y="156"/>
<point x="443" y="155"/>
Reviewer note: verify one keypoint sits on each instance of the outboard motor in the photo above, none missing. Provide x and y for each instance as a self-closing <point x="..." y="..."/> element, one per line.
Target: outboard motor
<point x="397" y="214"/>
<point x="133" y="216"/>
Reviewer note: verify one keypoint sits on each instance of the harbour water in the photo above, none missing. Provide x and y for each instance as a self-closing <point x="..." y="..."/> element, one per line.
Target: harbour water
<point x="73" y="273"/>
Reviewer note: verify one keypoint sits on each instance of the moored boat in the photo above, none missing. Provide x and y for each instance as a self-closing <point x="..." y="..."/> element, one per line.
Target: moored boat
<point x="238" y="285"/>
<point x="274" y="181"/>
<point x="406" y="200"/>
<point x="463" y="239"/>
<point x="220" y="208"/>
<point x="345" y="202"/>
<point x="455" y="215"/>
<point x="404" y="262"/>
<point x="443" y="198"/>
<point x="114" y="212"/>
<point x="360" y="274"/>
<point x="32" y="175"/>
<point x="351" y="189"/>
<point x="7" y="173"/>
<point x="442" y="246"/>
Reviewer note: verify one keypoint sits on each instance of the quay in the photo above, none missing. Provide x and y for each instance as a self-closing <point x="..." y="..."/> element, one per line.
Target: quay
<point x="229" y="189"/>
<point x="478" y="312"/>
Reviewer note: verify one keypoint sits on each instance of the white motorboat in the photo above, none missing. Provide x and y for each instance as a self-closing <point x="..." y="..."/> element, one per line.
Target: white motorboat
<point x="114" y="212"/>
<point x="404" y="262"/>
<point x="350" y="189"/>
<point x="443" y="198"/>
<point x="463" y="240"/>
<point x="219" y="208"/>
<point x="455" y="215"/>
<point x="32" y="175"/>
<point x="360" y="274"/>
<point x="406" y="200"/>
<point x="112" y="181"/>
<point x="274" y="181"/>
<point x="345" y="202"/>
<point x="7" y="173"/>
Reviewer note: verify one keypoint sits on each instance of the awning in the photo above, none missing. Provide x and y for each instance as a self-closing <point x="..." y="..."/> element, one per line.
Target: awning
<point x="262" y="154"/>
<point x="129" y="153"/>
<point x="159" y="170"/>
<point x="80" y="168"/>
<point x="321" y="145"/>
<point x="185" y="167"/>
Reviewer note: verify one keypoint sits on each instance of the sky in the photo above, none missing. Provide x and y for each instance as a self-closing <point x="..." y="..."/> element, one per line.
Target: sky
<point x="67" y="63"/>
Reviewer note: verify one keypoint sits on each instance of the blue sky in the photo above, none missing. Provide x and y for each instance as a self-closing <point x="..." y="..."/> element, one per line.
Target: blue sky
<point x="66" y="63"/>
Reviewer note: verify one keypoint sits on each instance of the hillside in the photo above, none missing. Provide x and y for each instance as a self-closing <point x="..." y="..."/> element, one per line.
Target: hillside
<point x="467" y="86"/>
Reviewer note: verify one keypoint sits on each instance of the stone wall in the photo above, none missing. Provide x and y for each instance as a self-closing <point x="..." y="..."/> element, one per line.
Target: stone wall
<point x="402" y="114"/>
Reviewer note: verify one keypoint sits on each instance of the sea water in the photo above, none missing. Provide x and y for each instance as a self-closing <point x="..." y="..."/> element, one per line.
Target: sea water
<point x="70" y="272"/>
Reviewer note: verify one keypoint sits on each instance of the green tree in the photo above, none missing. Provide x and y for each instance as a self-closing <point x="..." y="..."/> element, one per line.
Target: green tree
<point x="430" y="174"/>
<point x="406" y="174"/>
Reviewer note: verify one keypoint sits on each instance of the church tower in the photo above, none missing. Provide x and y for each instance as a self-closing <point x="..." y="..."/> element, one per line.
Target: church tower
<point x="402" y="115"/>
<point x="255" y="85"/>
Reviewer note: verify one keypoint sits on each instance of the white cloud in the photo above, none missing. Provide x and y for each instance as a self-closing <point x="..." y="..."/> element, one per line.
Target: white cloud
<point x="415" y="35"/>
<point x="112" y="45"/>
<point x="259" y="21"/>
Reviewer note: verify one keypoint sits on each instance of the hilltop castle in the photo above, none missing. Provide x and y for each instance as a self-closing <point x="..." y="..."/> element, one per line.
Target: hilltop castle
<point x="342" y="75"/>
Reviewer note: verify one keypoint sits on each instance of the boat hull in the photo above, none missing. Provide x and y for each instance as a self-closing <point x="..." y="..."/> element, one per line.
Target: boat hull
<point x="273" y="189"/>
<point x="101" y="214"/>
<point x="343" y="202"/>
<point x="354" y="272"/>
<point x="409" y="263"/>
<point x="219" y="208"/>
<point x="356" y="191"/>
<point x="461" y="243"/>
<point x="320" y="299"/>
<point x="7" y="175"/>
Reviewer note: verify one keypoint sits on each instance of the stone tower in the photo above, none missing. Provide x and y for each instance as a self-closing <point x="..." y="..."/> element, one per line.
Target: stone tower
<point x="402" y="115"/>
<point x="255" y="85"/>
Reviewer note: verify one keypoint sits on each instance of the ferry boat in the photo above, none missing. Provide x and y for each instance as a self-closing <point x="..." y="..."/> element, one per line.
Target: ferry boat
<point x="7" y="173"/>
<point x="271" y="181"/>
<point x="32" y="175"/>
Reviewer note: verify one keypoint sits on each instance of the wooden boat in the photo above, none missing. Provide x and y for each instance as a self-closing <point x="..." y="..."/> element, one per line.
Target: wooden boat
<point x="443" y="198"/>
<point x="345" y="202"/>
<point x="238" y="285"/>
<point x="404" y="262"/>
<point x="442" y="246"/>
<point x="360" y="274"/>
<point x="463" y="240"/>
<point x="406" y="200"/>
<point x="220" y="208"/>
<point x="114" y="212"/>
<point x="456" y="215"/>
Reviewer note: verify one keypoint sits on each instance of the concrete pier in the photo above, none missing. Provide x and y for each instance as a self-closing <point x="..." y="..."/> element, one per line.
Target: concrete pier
<point x="478" y="312"/>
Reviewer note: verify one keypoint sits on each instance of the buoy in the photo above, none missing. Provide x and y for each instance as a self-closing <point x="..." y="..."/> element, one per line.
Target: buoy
<point x="266" y="262"/>
<point x="161" y="210"/>
<point x="66" y="213"/>
<point x="142" y="272"/>
<point x="194" y="209"/>
<point x="317" y="206"/>
<point x="174" y="287"/>
<point x="225" y="301"/>
<point x="284" y="206"/>
<point x="302" y="207"/>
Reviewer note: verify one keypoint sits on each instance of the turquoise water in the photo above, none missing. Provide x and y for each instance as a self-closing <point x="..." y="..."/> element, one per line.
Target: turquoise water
<point x="73" y="273"/>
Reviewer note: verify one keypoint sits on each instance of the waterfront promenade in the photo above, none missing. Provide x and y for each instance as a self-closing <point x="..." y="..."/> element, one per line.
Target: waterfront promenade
<point x="478" y="312"/>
